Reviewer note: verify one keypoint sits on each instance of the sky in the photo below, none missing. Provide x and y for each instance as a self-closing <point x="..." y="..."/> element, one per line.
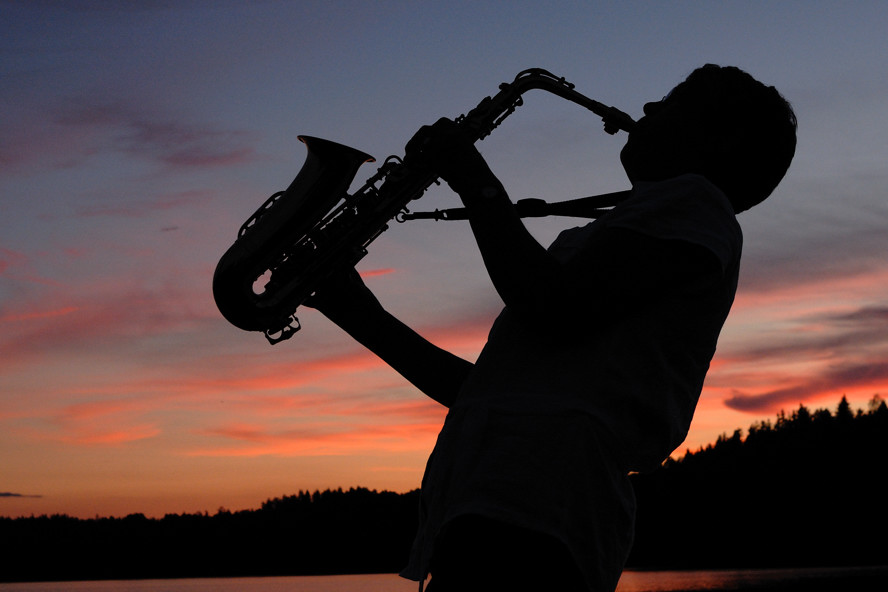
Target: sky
<point x="136" y="138"/>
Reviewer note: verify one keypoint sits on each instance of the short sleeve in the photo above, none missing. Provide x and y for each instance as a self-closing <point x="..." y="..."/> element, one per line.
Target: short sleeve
<point x="687" y="208"/>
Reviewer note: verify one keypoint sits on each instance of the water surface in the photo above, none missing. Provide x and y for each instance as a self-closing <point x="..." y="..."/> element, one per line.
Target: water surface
<point x="827" y="579"/>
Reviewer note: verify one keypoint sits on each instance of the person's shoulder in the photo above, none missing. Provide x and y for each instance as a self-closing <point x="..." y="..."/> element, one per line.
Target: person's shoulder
<point x="688" y="196"/>
<point x="687" y="208"/>
<point x="692" y="181"/>
<point x="687" y="186"/>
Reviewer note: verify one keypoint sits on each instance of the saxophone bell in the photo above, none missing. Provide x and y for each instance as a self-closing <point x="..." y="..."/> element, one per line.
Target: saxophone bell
<point x="251" y="285"/>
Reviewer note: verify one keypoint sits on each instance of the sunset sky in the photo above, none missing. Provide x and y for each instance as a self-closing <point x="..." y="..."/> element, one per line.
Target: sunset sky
<point x="136" y="137"/>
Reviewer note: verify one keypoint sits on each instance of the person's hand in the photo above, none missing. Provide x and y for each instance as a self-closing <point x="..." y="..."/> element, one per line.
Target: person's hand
<point x="342" y="294"/>
<point x="448" y="150"/>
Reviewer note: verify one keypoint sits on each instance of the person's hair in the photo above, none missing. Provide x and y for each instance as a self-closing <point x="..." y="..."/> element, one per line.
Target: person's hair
<point x="751" y="130"/>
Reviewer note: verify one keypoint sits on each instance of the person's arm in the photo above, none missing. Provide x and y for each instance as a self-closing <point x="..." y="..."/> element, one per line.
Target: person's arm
<point x="350" y="305"/>
<point x="523" y="273"/>
<point x="620" y="270"/>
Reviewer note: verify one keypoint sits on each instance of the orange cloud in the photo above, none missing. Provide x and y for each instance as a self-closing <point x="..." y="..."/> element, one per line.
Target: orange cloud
<point x="110" y="437"/>
<point x="332" y="438"/>
<point x="98" y="423"/>
<point x="89" y="423"/>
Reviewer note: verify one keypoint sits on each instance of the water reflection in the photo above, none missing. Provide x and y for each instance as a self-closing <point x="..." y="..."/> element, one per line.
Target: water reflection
<point x="869" y="579"/>
<point x="841" y="579"/>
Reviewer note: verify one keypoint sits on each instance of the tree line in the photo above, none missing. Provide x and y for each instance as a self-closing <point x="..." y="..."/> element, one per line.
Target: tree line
<point x="806" y="489"/>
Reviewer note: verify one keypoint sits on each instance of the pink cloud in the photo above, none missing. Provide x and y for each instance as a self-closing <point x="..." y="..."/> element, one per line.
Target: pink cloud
<point x="824" y="338"/>
<point x="143" y="207"/>
<point x="10" y="258"/>
<point x="141" y="133"/>
<point x="832" y="383"/>
<point x="55" y="323"/>
<point x="346" y="418"/>
<point x="68" y="134"/>
<point x="35" y="315"/>
<point x="819" y="355"/>
<point x="376" y="272"/>
<point x="16" y="265"/>
<point x="256" y="375"/>
<point x="813" y="286"/>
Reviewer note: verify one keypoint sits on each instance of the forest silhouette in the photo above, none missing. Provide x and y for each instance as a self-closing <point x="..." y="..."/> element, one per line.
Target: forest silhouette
<point x="804" y="490"/>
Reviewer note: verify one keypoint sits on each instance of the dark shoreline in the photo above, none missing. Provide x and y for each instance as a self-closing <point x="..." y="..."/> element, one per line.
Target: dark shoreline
<point x="788" y="494"/>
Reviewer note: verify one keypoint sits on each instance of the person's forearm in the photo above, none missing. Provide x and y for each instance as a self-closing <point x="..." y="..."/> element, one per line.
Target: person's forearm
<point x="522" y="271"/>
<point x="434" y="371"/>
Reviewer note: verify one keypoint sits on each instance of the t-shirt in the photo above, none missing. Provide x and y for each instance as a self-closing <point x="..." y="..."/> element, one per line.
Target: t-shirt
<point x="548" y="424"/>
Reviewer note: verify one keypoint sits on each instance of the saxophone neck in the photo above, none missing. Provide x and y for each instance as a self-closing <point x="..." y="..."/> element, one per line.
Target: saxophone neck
<point x="487" y="116"/>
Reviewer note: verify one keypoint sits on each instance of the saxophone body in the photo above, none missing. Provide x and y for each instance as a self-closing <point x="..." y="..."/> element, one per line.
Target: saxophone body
<point x="301" y="236"/>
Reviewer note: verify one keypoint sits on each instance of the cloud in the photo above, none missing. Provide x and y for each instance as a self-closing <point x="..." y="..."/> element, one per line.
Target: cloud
<point x="98" y="422"/>
<point x="823" y="334"/>
<point x="75" y="320"/>
<point x="865" y="315"/>
<point x="828" y="353"/>
<point x="10" y="494"/>
<point x="334" y="437"/>
<point x="68" y="134"/>
<point x="352" y="398"/>
<point x="376" y="272"/>
<point x="40" y="314"/>
<point x="17" y="266"/>
<point x="840" y="235"/>
<point x="832" y="382"/>
<point x="353" y="401"/>
<point x="156" y="137"/>
<point x="144" y="207"/>
<point x="101" y="435"/>
<point x="10" y="258"/>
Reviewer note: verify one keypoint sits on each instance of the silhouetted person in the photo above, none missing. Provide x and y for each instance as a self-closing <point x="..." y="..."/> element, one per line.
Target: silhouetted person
<point x="594" y="367"/>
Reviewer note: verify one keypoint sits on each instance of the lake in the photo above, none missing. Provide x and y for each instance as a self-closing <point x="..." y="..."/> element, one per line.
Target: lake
<point x="827" y="579"/>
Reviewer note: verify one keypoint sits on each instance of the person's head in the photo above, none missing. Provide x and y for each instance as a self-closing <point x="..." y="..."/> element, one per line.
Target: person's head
<point x="720" y="123"/>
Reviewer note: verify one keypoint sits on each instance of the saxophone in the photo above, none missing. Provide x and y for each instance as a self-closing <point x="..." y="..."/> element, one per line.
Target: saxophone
<point x="301" y="236"/>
